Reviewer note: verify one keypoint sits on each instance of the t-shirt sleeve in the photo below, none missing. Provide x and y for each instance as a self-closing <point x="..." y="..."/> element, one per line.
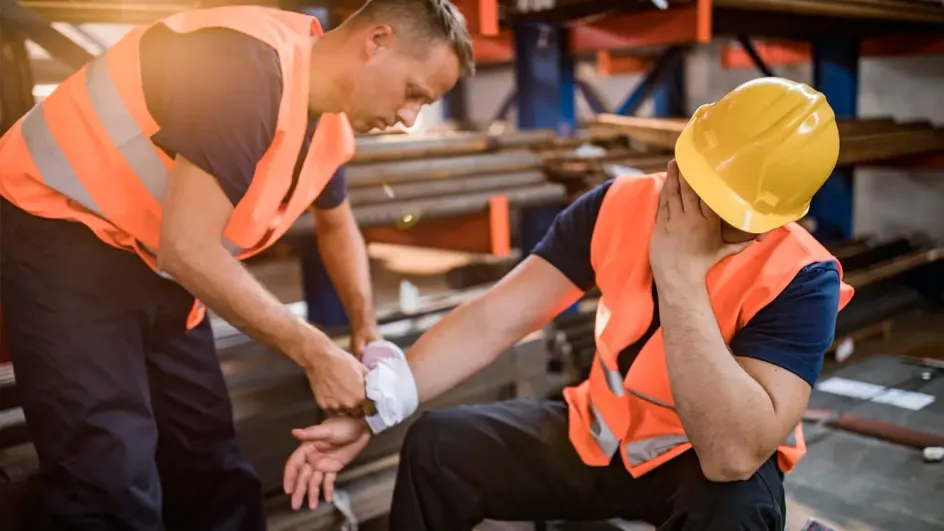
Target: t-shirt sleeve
<point x="334" y="193"/>
<point x="566" y="245"/>
<point x="796" y="329"/>
<point x="218" y="103"/>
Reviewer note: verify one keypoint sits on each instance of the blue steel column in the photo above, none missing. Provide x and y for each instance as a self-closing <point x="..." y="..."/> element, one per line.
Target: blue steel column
<point x="668" y="98"/>
<point x="836" y="74"/>
<point x="544" y="79"/>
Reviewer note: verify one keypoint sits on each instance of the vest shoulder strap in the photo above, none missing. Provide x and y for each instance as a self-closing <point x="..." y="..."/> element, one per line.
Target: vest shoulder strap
<point x="628" y="210"/>
<point x="275" y="27"/>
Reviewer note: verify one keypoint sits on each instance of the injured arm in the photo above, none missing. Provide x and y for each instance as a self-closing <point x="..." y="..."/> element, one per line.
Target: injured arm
<point x="474" y="334"/>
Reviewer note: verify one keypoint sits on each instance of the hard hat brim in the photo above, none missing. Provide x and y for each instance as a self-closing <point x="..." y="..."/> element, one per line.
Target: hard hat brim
<point x="719" y="196"/>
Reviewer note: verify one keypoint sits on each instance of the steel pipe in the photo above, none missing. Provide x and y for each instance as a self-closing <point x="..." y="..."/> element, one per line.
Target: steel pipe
<point x="441" y="168"/>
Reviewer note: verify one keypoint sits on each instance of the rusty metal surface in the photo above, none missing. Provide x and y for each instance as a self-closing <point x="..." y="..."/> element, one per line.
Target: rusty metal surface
<point x="441" y="187"/>
<point x="402" y="171"/>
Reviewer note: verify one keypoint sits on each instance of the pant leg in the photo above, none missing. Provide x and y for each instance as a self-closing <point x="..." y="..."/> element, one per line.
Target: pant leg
<point x="682" y="499"/>
<point x="208" y="482"/>
<point x="75" y="333"/>
<point x="504" y="461"/>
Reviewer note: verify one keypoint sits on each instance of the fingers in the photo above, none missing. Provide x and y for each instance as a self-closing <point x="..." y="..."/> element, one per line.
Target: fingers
<point x="690" y="200"/>
<point x="301" y="485"/>
<point x="319" y="432"/>
<point x="292" y="466"/>
<point x="669" y="198"/>
<point x="329" y="480"/>
<point x="314" y="486"/>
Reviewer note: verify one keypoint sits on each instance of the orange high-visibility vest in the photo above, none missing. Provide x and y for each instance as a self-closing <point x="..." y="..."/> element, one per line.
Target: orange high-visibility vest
<point x="85" y="153"/>
<point x="636" y="415"/>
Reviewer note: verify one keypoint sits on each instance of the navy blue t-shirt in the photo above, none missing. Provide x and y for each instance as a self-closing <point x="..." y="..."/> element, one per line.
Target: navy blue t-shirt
<point x="794" y="331"/>
<point x="215" y="94"/>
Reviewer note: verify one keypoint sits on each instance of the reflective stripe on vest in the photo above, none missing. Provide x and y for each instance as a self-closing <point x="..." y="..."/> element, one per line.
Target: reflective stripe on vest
<point x="639" y="452"/>
<point x="56" y="170"/>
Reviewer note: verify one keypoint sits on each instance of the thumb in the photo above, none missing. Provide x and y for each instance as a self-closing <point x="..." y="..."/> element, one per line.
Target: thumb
<point x="733" y="248"/>
<point x="320" y="432"/>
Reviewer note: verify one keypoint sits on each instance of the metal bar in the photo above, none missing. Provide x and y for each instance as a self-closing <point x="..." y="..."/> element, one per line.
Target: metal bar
<point x="592" y="96"/>
<point x="836" y="74"/>
<point x="544" y="77"/>
<point x="668" y="98"/>
<point x="409" y="212"/>
<point x="440" y="168"/>
<point x="507" y="104"/>
<point x="399" y="147"/>
<point x="893" y="267"/>
<point x="15" y="15"/>
<point x="668" y="60"/>
<point x="440" y="187"/>
<point x="748" y="46"/>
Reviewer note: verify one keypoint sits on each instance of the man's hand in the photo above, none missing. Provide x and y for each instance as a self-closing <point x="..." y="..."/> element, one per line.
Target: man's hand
<point x="337" y="380"/>
<point x="325" y="450"/>
<point x="686" y="241"/>
<point x="361" y="335"/>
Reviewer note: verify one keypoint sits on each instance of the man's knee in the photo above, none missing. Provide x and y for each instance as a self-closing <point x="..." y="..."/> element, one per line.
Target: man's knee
<point x="747" y="505"/>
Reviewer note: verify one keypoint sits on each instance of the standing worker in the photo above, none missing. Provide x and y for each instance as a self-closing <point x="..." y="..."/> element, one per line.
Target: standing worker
<point x="715" y="312"/>
<point x="129" y="197"/>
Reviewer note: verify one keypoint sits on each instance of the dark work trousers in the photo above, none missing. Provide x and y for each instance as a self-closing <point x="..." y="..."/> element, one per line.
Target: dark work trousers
<point x="513" y="461"/>
<point x="128" y="411"/>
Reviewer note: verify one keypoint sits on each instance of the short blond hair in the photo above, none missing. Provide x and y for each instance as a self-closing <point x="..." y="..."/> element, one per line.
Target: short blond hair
<point x="426" y="21"/>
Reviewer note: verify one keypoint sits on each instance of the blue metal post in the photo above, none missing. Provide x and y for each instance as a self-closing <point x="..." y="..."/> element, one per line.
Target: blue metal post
<point x="453" y="105"/>
<point x="544" y="77"/>
<point x="324" y="305"/>
<point x="667" y="64"/>
<point x="545" y="82"/>
<point x="668" y="98"/>
<point x="836" y="74"/>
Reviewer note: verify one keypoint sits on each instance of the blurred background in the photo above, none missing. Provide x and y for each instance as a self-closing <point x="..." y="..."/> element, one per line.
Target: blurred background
<point x="568" y="94"/>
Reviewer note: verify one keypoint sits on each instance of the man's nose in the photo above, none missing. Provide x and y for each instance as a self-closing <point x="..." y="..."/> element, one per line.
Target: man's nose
<point x="407" y="116"/>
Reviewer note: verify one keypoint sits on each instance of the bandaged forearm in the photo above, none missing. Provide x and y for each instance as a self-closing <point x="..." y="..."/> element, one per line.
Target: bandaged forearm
<point x="389" y="384"/>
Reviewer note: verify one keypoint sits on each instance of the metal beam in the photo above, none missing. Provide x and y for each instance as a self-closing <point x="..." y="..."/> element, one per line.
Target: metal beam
<point x="544" y="77"/>
<point x="14" y="15"/>
<point x="836" y="74"/>
<point x="755" y="57"/>
<point x="669" y="60"/>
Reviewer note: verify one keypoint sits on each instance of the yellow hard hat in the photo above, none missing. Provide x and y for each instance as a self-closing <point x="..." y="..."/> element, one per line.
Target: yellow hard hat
<point x="757" y="155"/>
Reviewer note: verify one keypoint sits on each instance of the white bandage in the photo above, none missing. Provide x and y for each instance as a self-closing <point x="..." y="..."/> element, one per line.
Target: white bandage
<point x="389" y="384"/>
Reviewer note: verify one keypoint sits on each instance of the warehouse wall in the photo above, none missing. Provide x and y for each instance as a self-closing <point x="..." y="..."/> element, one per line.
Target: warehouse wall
<point x="886" y="201"/>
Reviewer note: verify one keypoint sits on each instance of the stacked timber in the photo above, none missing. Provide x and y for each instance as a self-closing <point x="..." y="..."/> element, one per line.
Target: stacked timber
<point x="890" y="278"/>
<point x="863" y="141"/>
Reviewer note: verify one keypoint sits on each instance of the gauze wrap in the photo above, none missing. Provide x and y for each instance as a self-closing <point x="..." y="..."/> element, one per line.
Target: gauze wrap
<point x="389" y="383"/>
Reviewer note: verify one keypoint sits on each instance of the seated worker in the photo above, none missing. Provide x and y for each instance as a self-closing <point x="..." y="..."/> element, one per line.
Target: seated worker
<point x="716" y="311"/>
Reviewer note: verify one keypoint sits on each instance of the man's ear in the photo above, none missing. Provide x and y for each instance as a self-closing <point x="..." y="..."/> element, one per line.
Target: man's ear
<point x="380" y="39"/>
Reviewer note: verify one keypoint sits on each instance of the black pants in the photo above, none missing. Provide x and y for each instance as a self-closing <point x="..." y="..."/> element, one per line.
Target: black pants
<point x="128" y="411"/>
<point x="512" y="461"/>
